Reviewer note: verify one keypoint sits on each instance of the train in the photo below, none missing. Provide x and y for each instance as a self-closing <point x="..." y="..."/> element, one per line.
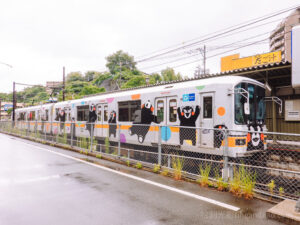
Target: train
<point x="191" y="115"/>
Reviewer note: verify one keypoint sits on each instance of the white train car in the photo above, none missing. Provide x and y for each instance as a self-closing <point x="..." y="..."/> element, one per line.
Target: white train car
<point x="136" y="115"/>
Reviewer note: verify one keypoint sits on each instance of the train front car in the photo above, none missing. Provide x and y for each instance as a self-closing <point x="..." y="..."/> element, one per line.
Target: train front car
<point x="249" y="119"/>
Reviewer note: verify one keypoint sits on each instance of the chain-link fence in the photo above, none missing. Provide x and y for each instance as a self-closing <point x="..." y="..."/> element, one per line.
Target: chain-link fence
<point x="241" y="161"/>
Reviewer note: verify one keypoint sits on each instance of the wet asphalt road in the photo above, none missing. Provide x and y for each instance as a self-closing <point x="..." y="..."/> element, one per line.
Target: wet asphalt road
<point x="38" y="187"/>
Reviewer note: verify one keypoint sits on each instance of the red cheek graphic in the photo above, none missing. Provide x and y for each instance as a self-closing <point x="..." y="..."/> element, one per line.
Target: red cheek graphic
<point x="182" y="113"/>
<point x="193" y="113"/>
<point x="152" y="109"/>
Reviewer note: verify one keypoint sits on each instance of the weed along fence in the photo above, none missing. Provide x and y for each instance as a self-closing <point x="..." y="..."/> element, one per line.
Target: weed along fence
<point x="242" y="162"/>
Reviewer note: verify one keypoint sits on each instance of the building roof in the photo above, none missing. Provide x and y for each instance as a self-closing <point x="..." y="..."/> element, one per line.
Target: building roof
<point x="277" y="74"/>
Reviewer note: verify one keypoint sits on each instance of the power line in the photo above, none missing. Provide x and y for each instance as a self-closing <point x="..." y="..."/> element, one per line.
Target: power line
<point x="187" y="57"/>
<point x="231" y="29"/>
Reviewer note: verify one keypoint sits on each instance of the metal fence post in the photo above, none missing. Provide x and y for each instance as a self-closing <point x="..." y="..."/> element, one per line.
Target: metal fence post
<point x="45" y="130"/>
<point x="119" y="140"/>
<point x="92" y="136"/>
<point x="72" y="124"/>
<point x="225" y="173"/>
<point x="159" y="145"/>
<point x="36" y="129"/>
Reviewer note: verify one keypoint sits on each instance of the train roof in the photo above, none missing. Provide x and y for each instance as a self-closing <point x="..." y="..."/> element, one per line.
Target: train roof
<point x="160" y="87"/>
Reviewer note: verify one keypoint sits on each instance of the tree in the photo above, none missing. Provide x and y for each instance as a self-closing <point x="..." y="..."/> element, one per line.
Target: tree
<point x="169" y="74"/>
<point x="120" y="61"/>
<point x="100" y="77"/>
<point x="155" y="78"/>
<point x="90" y="89"/>
<point x="90" y="75"/>
<point x="74" y="76"/>
<point x="135" y="81"/>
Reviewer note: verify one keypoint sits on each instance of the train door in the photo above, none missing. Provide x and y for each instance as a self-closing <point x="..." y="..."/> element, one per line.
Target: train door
<point x="99" y="121"/>
<point x="67" y="120"/>
<point x="166" y="112"/>
<point x="105" y="125"/>
<point x="207" y="120"/>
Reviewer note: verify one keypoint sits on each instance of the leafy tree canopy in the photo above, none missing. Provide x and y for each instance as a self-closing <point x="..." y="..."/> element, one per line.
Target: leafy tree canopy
<point x="169" y="74"/>
<point x="74" y="76"/>
<point x="100" y="77"/>
<point x="120" y="61"/>
<point x="135" y="81"/>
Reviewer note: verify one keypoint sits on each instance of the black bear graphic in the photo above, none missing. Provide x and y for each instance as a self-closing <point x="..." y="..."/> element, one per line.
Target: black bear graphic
<point x="91" y="119"/>
<point x="112" y="124"/>
<point x="254" y="137"/>
<point x="188" y="118"/>
<point x="143" y="116"/>
<point x="219" y="135"/>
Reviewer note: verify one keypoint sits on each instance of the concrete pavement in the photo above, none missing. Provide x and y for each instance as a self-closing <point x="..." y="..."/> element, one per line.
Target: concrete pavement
<point x="39" y="187"/>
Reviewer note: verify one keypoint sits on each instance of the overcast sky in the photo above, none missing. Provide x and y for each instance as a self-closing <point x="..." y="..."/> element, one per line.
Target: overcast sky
<point x="39" y="37"/>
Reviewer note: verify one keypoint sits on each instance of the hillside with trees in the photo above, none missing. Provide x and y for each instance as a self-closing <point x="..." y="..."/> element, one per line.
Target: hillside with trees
<point x="121" y="73"/>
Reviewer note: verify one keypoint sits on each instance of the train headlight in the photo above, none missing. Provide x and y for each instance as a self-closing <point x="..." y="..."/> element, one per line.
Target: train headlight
<point x="239" y="142"/>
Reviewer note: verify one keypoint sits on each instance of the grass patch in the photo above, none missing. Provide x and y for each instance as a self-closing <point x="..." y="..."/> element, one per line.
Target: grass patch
<point x="281" y="191"/>
<point x="204" y="175"/>
<point x="271" y="187"/>
<point x="221" y="185"/>
<point x="156" y="168"/>
<point x="165" y="172"/>
<point x="99" y="156"/>
<point x="139" y="165"/>
<point x="177" y="165"/>
<point x="235" y="183"/>
<point x="248" y="181"/>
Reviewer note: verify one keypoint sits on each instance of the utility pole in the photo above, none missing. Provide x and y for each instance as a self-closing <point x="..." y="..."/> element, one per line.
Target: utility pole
<point x="119" y="85"/>
<point x="14" y="101"/>
<point x="64" y="83"/>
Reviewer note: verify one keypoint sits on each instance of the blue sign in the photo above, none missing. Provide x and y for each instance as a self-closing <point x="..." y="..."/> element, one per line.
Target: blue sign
<point x="188" y="97"/>
<point x="7" y="106"/>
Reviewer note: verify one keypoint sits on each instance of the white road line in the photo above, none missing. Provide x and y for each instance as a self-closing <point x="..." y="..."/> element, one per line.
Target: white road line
<point x="212" y="201"/>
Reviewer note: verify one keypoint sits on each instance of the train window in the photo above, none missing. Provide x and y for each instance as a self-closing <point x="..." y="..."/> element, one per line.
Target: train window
<point x="207" y="107"/>
<point x="173" y="110"/>
<point x="105" y="116"/>
<point x="82" y="113"/>
<point x="127" y="110"/>
<point x="99" y="113"/>
<point x="160" y="110"/>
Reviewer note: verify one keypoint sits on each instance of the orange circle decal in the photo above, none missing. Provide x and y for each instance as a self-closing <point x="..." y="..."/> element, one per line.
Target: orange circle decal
<point x="221" y="111"/>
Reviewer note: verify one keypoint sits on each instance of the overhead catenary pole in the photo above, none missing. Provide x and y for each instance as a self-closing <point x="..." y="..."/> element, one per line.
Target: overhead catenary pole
<point x="204" y="60"/>
<point x="64" y="83"/>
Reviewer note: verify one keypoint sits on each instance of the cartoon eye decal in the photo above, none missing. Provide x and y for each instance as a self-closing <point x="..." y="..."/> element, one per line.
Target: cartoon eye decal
<point x="252" y="128"/>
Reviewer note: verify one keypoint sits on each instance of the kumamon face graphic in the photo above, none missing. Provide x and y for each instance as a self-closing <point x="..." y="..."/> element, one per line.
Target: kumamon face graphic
<point x="255" y="135"/>
<point x="187" y="112"/>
